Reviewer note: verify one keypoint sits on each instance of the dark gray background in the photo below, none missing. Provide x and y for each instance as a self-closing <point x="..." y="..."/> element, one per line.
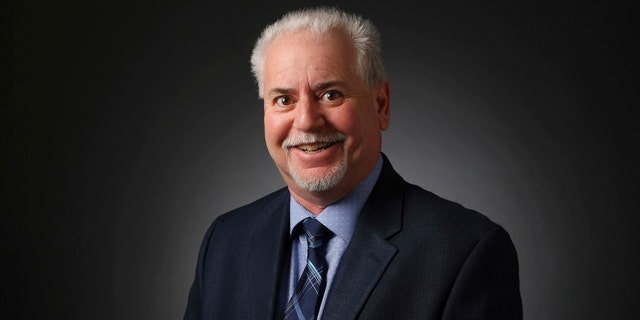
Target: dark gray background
<point x="127" y="128"/>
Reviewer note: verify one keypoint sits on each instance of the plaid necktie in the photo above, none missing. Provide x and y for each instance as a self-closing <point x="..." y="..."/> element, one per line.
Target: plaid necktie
<point x="305" y="302"/>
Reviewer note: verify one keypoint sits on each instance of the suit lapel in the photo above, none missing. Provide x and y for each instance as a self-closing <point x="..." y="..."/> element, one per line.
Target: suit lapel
<point x="268" y="259"/>
<point x="369" y="253"/>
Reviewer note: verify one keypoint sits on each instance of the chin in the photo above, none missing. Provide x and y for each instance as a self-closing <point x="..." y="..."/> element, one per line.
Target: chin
<point x="323" y="182"/>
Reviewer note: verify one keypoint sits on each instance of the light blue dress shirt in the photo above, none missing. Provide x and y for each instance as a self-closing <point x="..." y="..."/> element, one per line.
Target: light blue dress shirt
<point x="340" y="218"/>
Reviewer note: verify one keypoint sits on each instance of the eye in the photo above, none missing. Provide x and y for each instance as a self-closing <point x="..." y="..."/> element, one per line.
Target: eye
<point x="283" y="100"/>
<point x="331" y="95"/>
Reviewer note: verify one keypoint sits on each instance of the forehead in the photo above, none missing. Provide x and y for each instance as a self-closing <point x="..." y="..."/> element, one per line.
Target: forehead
<point x="303" y="53"/>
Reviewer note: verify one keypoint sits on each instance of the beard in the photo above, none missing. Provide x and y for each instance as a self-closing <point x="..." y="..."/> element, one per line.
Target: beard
<point x="314" y="183"/>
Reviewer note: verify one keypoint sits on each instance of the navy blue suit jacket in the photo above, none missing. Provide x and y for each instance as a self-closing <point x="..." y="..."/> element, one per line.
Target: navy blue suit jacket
<point x="413" y="255"/>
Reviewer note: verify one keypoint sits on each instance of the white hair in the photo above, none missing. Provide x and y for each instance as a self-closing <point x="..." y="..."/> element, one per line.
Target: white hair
<point x="321" y="21"/>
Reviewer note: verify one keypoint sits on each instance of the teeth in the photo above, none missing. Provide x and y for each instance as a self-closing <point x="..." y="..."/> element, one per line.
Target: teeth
<point x="314" y="147"/>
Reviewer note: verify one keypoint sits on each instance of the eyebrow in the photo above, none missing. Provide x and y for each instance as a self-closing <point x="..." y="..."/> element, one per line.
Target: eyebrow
<point x="320" y="86"/>
<point x="328" y="84"/>
<point x="279" y="91"/>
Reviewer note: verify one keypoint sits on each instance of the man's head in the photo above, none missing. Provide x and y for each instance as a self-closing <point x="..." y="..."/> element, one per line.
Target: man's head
<point x="326" y="101"/>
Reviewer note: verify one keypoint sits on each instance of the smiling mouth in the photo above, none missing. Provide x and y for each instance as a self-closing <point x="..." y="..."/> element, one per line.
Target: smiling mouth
<point x="314" y="147"/>
<point x="311" y="143"/>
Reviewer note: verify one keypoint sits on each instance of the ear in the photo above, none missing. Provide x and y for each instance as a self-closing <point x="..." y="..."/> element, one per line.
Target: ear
<point x="382" y="104"/>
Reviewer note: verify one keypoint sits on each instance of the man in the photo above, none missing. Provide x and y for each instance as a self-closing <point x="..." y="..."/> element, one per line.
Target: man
<point x="386" y="249"/>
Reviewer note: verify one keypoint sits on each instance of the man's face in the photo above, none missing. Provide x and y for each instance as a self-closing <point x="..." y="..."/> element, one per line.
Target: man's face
<point x="322" y="122"/>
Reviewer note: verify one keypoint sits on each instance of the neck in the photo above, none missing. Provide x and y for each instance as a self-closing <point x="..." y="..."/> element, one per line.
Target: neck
<point x="315" y="202"/>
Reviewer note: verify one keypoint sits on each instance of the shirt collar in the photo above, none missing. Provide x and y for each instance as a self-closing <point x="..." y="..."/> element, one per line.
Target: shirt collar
<point x="339" y="217"/>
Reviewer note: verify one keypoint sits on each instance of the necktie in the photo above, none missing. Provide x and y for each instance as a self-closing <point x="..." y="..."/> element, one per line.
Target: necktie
<point x="305" y="302"/>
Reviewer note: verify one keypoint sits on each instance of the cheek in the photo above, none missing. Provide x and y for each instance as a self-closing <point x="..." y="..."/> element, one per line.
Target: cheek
<point x="361" y="128"/>
<point x="352" y="123"/>
<point x="272" y="140"/>
<point x="275" y="128"/>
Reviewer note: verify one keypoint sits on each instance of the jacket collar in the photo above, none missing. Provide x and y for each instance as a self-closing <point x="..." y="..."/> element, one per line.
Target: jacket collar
<point x="271" y="255"/>
<point x="369" y="252"/>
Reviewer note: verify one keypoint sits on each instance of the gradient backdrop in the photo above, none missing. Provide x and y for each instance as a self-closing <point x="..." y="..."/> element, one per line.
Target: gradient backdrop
<point x="129" y="127"/>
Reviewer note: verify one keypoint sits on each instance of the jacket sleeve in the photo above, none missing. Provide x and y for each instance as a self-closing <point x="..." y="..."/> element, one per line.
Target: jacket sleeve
<point x="488" y="285"/>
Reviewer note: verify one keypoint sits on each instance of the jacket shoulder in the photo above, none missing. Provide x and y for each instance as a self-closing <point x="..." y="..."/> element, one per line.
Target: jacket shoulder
<point x="425" y="209"/>
<point x="266" y="204"/>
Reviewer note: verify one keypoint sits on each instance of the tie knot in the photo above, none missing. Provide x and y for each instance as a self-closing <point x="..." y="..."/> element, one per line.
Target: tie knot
<point x="317" y="233"/>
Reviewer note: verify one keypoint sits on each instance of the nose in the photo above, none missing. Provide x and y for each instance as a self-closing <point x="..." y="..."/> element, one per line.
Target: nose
<point x="309" y="115"/>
